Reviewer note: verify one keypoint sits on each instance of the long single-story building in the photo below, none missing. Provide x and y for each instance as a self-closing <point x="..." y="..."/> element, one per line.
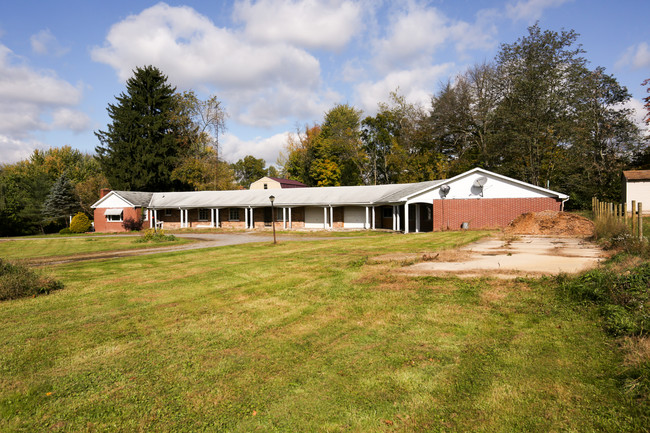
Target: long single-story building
<point x="475" y="199"/>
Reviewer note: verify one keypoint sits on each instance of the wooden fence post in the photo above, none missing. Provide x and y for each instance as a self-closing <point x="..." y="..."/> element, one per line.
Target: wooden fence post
<point x="640" y="221"/>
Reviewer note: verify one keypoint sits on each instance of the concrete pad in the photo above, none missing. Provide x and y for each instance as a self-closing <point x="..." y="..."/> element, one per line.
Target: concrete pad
<point x="522" y="256"/>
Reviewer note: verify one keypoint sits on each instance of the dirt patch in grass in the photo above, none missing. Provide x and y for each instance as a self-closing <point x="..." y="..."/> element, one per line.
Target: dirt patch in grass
<point x="551" y="223"/>
<point x="452" y="255"/>
<point x="637" y="351"/>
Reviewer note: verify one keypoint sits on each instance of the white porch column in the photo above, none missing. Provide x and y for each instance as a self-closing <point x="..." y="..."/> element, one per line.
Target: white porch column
<point x="284" y="218"/>
<point x="246" y="218"/>
<point x="394" y="218"/>
<point x="187" y="218"/>
<point x="417" y="218"/>
<point x="373" y="218"/>
<point x="331" y="218"/>
<point x="216" y="218"/>
<point x="366" y="225"/>
<point x="155" y="218"/>
<point x="325" y="217"/>
<point x="399" y="218"/>
<point x="406" y="218"/>
<point x="289" y="218"/>
<point x="251" y="218"/>
<point x="211" y="218"/>
<point x="182" y="214"/>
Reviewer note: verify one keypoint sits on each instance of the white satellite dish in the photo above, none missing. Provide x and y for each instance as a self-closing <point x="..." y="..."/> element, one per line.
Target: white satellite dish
<point x="480" y="181"/>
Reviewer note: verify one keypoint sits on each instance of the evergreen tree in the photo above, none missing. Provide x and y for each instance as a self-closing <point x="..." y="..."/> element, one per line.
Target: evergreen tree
<point x="62" y="200"/>
<point x="142" y="146"/>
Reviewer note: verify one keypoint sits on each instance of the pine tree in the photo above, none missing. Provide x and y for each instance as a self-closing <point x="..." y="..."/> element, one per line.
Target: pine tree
<point x="142" y="146"/>
<point x="62" y="200"/>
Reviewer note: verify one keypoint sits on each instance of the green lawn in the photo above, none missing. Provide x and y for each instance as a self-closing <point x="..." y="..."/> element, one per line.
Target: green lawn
<point x="28" y="248"/>
<point x="300" y="337"/>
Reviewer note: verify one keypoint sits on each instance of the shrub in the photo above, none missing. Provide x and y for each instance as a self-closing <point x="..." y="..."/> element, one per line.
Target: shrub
<point x="132" y="225"/>
<point x="614" y="234"/>
<point x="65" y="231"/>
<point x="151" y="235"/>
<point x="80" y="223"/>
<point x="18" y="281"/>
<point x="623" y="298"/>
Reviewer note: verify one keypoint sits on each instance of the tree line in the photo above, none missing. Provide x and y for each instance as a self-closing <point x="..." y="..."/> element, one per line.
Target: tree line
<point x="536" y="112"/>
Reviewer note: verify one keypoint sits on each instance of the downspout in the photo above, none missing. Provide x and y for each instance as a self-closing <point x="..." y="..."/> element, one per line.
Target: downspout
<point x="562" y="205"/>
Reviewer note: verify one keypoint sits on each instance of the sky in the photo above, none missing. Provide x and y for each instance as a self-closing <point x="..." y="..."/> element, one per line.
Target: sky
<point x="276" y="65"/>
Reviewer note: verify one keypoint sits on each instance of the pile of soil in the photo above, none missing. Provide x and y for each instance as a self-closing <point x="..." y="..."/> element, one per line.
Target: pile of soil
<point x="551" y="223"/>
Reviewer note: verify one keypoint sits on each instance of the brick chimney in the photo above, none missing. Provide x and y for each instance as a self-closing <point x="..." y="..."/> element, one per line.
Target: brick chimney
<point x="103" y="192"/>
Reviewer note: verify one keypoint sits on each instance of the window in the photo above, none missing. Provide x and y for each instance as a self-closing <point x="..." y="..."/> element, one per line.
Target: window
<point x="204" y="214"/>
<point x="429" y="213"/>
<point x="278" y="214"/>
<point x="234" y="214"/>
<point x="387" y="212"/>
<point x="113" y="215"/>
<point x="266" y="186"/>
<point x="168" y="212"/>
<point x="144" y="214"/>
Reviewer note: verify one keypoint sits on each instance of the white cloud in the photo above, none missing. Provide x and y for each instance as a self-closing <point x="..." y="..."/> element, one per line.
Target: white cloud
<point x="13" y="150"/>
<point x="189" y="48"/>
<point x="32" y="101"/>
<point x="638" y="113"/>
<point x="325" y="24"/>
<point x="234" y="149"/>
<point x="531" y="10"/>
<point x="74" y="120"/>
<point x="44" y="42"/>
<point x="637" y="56"/>
<point x="192" y="51"/>
<point x="416" y="85"/>
<point x="419" y="31"/>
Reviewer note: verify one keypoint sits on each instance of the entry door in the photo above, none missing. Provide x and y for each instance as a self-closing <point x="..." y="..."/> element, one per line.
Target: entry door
<point x="268" y="217"/>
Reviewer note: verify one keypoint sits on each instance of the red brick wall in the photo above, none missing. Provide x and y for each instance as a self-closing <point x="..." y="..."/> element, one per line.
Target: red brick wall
<point x="483" y="213"/>
<point x="103" y="226"/>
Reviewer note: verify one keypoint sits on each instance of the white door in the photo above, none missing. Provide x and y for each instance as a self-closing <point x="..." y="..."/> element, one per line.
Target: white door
<point x="354" y="217"/>
<point x="313" y="217"/>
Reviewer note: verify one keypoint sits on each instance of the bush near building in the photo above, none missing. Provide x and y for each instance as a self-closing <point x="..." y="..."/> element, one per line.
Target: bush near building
<point x="80" y="223"/>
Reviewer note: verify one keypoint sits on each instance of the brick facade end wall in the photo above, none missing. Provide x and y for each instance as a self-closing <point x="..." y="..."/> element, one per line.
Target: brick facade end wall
<point x="484" y="213"/>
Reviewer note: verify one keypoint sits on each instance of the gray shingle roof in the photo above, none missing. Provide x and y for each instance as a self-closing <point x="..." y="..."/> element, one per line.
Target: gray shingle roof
<point x="322" y="196"/>
<point x="136" y="198"/>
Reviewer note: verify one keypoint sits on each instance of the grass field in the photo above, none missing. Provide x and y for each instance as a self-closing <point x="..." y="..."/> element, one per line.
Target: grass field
<point x="30" y="248"/>
<point x="300" y="337"/>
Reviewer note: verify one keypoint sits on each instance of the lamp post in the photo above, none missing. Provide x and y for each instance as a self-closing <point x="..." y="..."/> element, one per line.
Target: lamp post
<point x="272" y="198"/>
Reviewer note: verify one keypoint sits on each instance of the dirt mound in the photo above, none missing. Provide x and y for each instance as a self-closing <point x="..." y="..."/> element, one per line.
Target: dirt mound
<point x="551" y="223"/>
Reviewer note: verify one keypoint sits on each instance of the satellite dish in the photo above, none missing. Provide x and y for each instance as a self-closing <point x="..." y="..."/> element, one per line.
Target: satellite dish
<point x="480" y="181"/>
<point x="445" y="190"/>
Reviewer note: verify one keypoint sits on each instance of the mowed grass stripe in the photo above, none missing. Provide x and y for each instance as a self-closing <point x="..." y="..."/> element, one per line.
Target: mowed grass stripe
<point x="304" y="336"/>
<point x="20" y="249"/>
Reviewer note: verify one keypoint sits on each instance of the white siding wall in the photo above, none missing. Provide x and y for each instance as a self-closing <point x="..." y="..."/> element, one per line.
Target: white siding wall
<point x="639" y="191"/>
<point x="493" y="188"/>
<point x="114" y="201"/>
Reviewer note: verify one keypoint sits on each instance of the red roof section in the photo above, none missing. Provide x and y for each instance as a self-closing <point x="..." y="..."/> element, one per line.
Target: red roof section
<point x="288" y="183"/>
<point x="637" y="174"/>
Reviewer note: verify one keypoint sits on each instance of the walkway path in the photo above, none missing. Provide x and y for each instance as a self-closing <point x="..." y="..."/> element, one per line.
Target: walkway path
<point x="204" y="240"/>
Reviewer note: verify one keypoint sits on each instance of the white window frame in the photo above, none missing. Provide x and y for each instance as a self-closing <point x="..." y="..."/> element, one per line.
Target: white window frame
<point x="110" y="218"/>
<point x="206" y="214"/>
<point x="233" y="214"/>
